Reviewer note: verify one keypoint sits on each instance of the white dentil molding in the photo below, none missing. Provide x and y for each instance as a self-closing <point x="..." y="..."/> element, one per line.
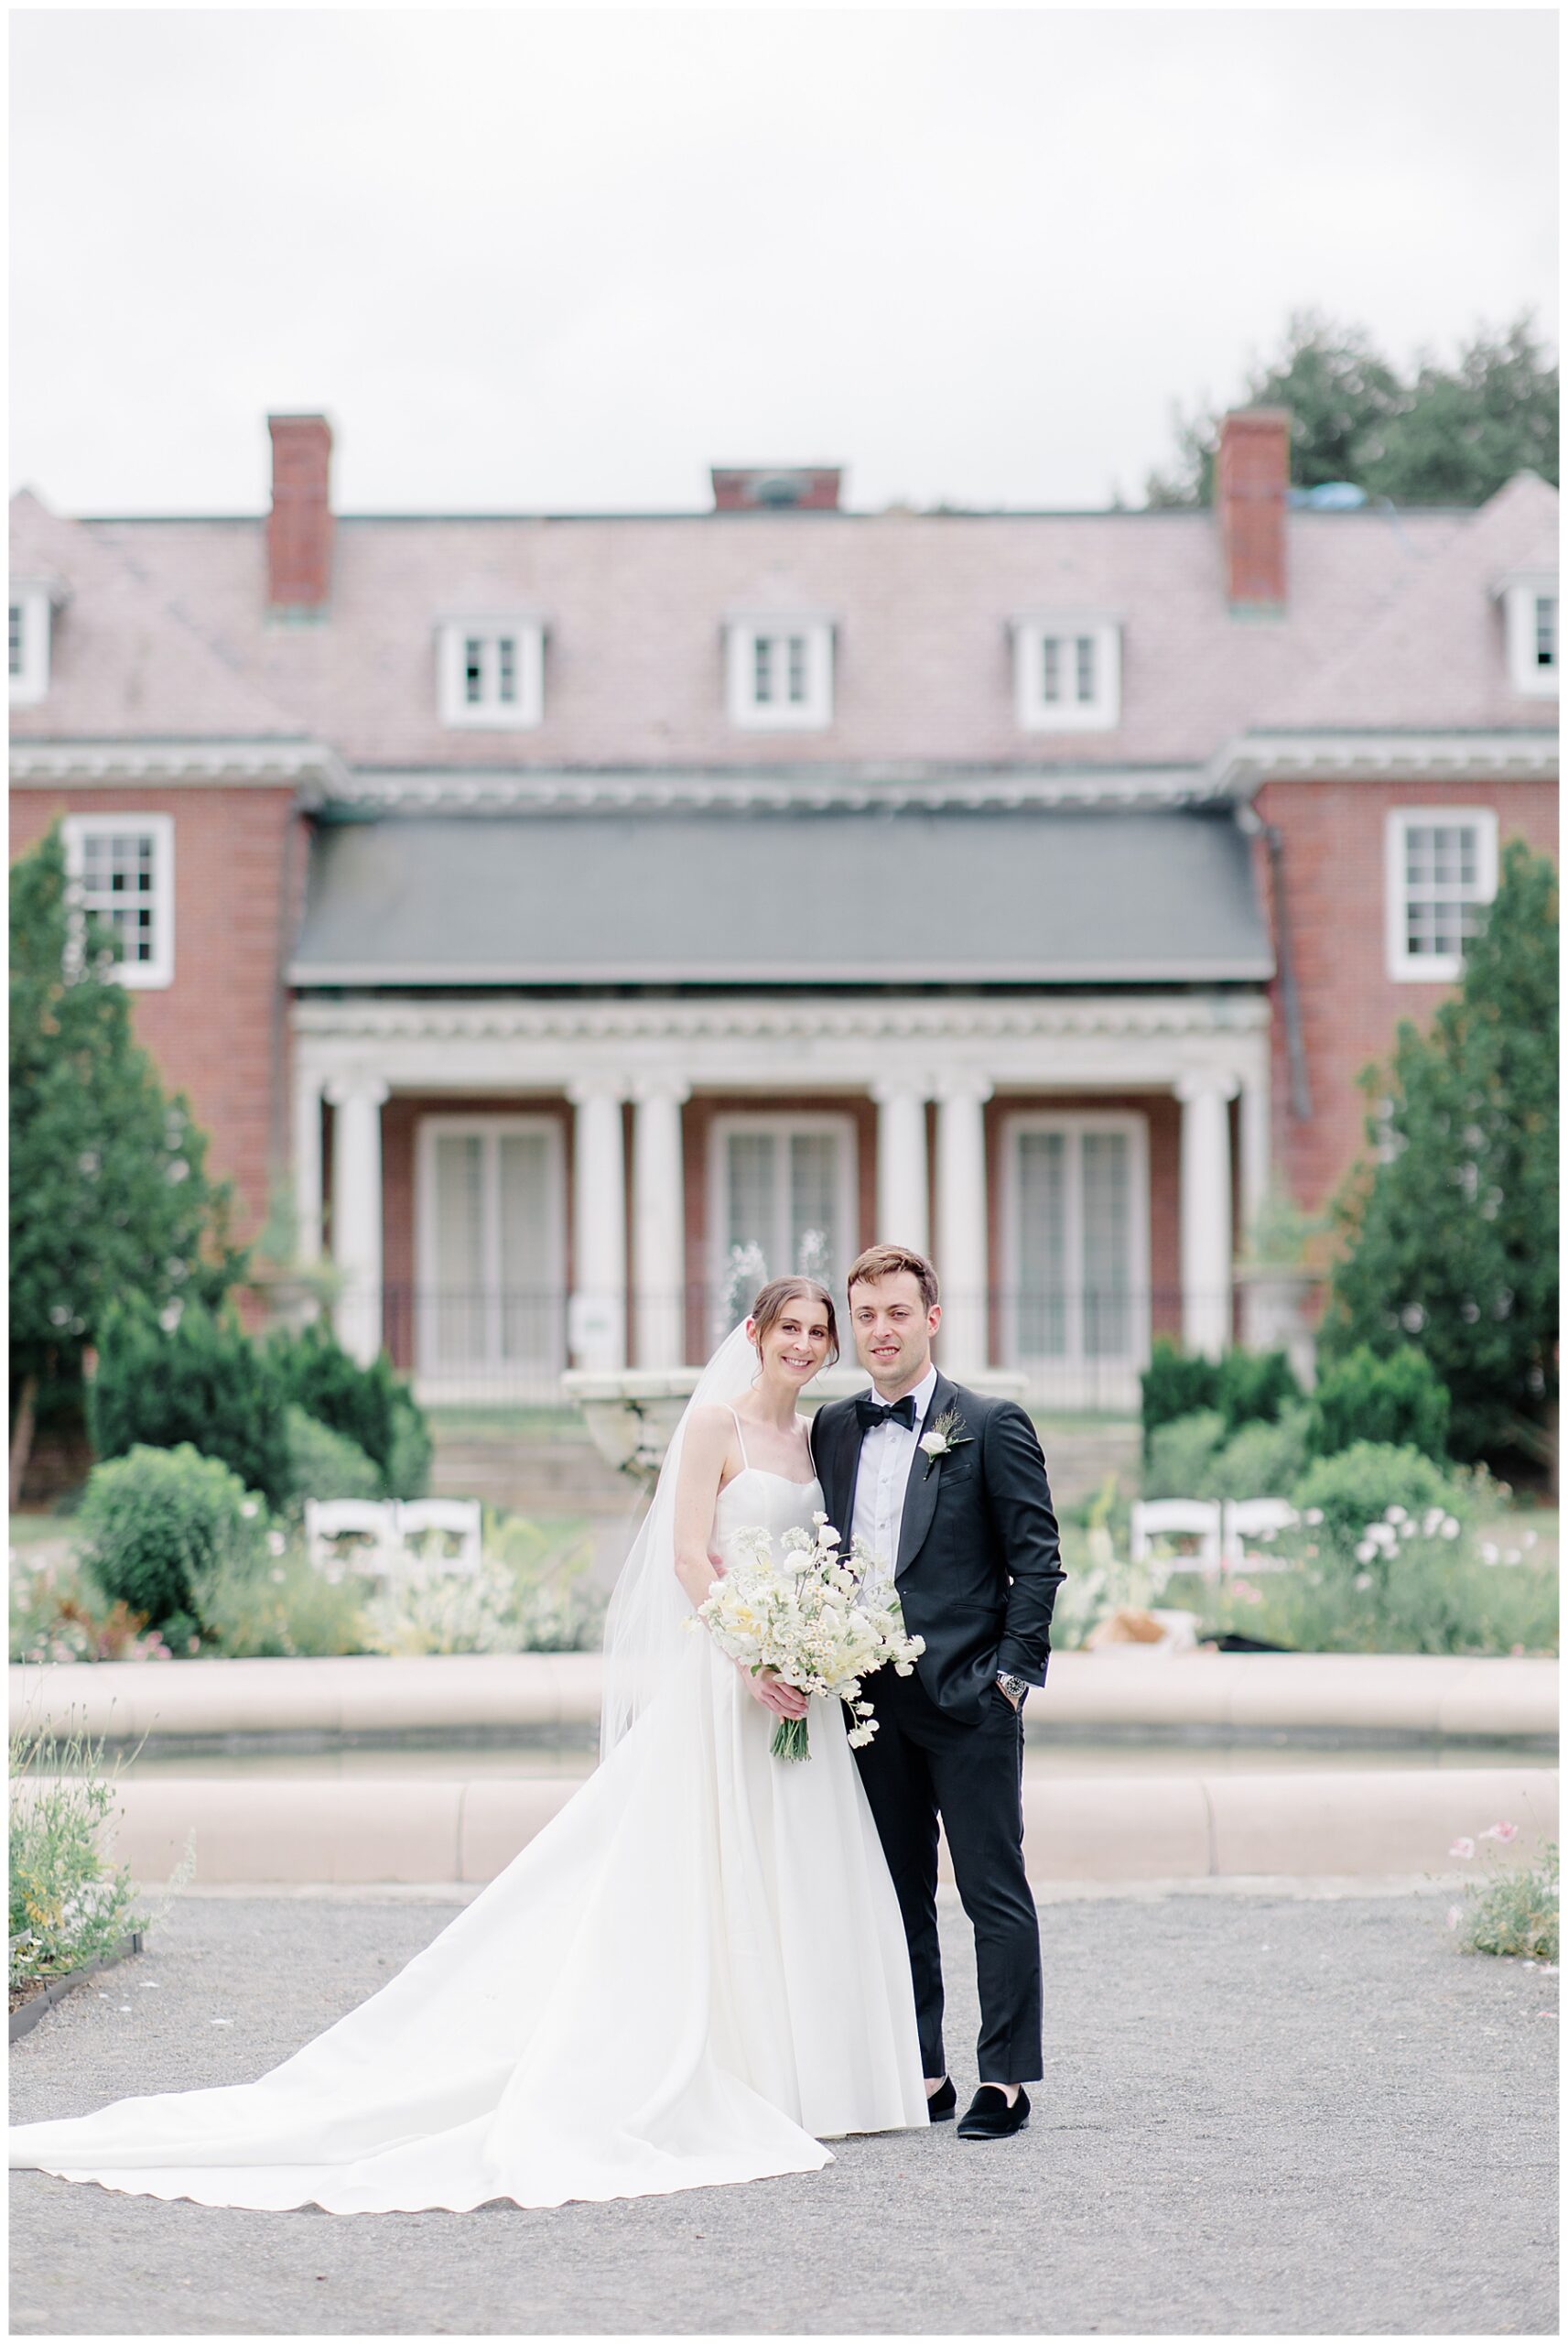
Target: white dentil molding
<point x="1246" y="763"/>
<point x="453" y="791"/>
<point x="307" y="766"/>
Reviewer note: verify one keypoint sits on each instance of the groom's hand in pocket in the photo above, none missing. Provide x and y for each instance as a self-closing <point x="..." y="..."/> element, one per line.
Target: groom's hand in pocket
<point x="783" y="1699"/>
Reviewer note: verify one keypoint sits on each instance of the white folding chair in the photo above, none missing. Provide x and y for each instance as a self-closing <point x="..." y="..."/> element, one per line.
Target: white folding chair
<point x="361" y="1520"/>
<point x="1249" y="1518"/>
<point x="1185" y="1517"/>
<point x="460" y="1518"/>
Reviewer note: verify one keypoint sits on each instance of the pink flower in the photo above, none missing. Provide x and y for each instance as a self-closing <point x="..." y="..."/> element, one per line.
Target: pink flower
<point x="1501" y="1832"/>
<point x="1463" y="1848"/>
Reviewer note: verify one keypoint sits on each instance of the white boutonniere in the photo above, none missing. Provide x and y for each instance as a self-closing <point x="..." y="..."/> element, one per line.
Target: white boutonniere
<point x="946" y="1434"/>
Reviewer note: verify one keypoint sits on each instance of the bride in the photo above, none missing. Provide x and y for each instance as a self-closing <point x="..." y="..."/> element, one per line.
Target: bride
<point x="694" y="1973"/>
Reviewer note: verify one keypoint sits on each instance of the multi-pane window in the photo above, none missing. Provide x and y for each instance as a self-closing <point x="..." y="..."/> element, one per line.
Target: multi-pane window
<point x="1068" y="674"/>
<point x="1531" y="626"/>
<point x="1076" y="1299"/>
<point x="1442" y="873"/>
<point x="490" y="1288"/>
<point x="782" y="1192"/>
<point x="780" y="675"/>
<point x="121" y="869"/>
<point x="29" y="632"/>
<point x="491" y="673"/>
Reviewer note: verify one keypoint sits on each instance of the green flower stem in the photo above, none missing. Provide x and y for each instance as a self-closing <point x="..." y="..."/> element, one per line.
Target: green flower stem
<point x="792" y="1738"/>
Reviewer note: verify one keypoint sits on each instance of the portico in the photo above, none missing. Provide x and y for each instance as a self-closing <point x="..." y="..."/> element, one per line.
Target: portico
<point x="647" y="1223"/>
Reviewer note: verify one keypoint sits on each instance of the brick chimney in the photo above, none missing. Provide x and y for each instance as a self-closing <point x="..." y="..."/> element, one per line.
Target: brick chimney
<point x="1251" y="479"/>
<point x="775" y="488"/>
<point x="300" y="526"/>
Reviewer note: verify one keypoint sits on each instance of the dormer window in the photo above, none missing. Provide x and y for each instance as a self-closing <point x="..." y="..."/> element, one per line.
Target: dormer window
<point x="780" y="673"/>
<point x="29" y="645"/>
<point x="491" y="673"/>
<point x="1530" y="628"/>
<point x="1066" y="672"/>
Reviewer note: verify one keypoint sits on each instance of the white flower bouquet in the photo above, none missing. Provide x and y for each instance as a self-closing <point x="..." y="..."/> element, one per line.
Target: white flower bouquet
<point x="802" y="1615"/>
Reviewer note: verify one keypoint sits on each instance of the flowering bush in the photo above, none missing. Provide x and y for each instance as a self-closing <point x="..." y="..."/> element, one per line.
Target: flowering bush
<point x="425" y="1608"/>
<point x="54" y="1616"/>
<point x="1512" y="1911"/>
<point x="1363" y="1481"/>
<point x="289" y="1610"/>
<point x="67" y="1905"/>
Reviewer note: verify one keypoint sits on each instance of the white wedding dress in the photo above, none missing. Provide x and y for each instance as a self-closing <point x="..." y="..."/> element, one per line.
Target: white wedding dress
<point x="694" y="1972"/>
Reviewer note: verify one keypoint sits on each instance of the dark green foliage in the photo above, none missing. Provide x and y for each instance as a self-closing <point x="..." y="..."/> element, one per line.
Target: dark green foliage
<point x="1174" y="1383"/>
<point x="368" y="1406"/>
<point x="158" y="1521"/>
<point x="109" y="1191"/>
<point x="323" y="1464"/>
<point x="1447" y="435"/>
<point x="1254" y="1388"/>
<point x="1452" y="1237"/>
<point x="1397" y="1400"/>
<point x="202" y="1381"/>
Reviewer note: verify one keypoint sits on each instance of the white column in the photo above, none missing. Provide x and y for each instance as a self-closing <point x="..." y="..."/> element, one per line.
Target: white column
<point x="356" y="1209"/>
<point x="1206" y="1211"/>
<point x="961" y="1248"/>
<point x="1254" y="1148"/>
<point x="597" y="1314"/>
<point x="903" y="1187"/>
<point x="306" y="1164"/>
<point x="658" y="1221"/>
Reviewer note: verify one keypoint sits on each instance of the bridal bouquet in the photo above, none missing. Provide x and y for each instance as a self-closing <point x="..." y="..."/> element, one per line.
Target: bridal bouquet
<point x="802" y="1614"/>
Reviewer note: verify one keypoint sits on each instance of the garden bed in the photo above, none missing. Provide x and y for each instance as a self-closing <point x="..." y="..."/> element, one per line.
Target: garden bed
<point x="31" y="1997"/>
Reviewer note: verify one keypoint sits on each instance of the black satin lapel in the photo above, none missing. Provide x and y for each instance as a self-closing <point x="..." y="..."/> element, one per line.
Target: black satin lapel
<point x="921" y="1491"/>
<point x="846" y="1465"/>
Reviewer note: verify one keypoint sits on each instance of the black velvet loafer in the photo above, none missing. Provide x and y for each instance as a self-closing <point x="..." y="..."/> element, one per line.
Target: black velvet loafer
<point x="943" y="2102"/>
<point x="988" y="2117"/>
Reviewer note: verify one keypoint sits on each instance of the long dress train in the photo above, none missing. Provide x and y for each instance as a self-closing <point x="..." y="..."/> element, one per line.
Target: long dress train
<point x="695" y="1973"/>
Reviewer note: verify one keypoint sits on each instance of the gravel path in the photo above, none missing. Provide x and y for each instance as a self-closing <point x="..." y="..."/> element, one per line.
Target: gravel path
<point x="1261" y="2113"/>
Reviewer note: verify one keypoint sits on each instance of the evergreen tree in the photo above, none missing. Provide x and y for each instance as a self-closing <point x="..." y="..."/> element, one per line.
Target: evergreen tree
<point x="1447" y="436"/>
<point x="110" y="1195"/>
<point x="1453" y="1235"/>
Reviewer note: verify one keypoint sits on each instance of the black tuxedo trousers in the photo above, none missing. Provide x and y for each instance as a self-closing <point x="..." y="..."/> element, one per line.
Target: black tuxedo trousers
<point x="923" y="1762"/>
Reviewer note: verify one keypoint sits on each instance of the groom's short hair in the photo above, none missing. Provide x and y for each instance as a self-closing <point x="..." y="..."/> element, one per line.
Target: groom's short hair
<point x="878" y="1261"/>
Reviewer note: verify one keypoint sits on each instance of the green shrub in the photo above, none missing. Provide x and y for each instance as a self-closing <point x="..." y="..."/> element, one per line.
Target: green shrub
<point x="1428" y="1595"/>
<point x="1263" y="1460"/>
<point x="157" y="1522"/>
<point x="67" y="1905"/>
<point x="323" y="1463"/>
<point x="201" y="1381"/>
<point x="1397" y="1401"/>
<point x="1514" y="1912"/>
<point x="1175" y="1385"/>
<point x="1357" y="1487"/>
<point x="1182" y="1455"/>
<point x="291" y="1611"/>
<point x="367" y="1405"/>
<point x="556" y="1607"/>
<point x="1254" y="1388"/>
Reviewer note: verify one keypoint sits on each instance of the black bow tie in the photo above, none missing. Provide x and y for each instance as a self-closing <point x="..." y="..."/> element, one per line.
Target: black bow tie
<point x="872" y="1412"/>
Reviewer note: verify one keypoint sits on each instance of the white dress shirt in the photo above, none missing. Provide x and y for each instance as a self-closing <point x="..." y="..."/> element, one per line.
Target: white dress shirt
<point x="887" y="1452"/>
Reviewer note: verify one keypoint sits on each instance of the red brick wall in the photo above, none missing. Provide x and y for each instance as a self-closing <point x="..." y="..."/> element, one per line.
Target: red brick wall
<point x="1334" y="876"/>
<point x="211" y="1032"/>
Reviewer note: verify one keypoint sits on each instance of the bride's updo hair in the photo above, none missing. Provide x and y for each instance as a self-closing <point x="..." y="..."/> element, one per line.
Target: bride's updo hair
<point x="770" y="1303"/>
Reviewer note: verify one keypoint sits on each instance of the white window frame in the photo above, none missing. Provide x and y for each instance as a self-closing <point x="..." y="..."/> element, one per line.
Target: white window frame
<point x="1443" y="968"/>
<point x="137" y="976"/>
<point x="492" y="714"/>
<point x="1115" y="1374"/>
<point x="31" y="682"/>
<point x="814" y="711"/>
<point x="1521" y="599"/>
<point x="1035" y="713"/>
<point x="485" y="1373"/>
<point x="784" y="1126"/>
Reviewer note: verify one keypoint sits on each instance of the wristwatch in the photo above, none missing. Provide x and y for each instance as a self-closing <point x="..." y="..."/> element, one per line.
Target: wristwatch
<point x="1014" y="1686"/>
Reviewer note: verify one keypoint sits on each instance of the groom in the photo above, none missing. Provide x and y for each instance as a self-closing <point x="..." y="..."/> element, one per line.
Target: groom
<point x="948" y="1490"/>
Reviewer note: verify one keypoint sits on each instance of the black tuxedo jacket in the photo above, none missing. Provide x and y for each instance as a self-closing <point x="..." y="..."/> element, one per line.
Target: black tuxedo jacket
<point x="979" y="1558"/>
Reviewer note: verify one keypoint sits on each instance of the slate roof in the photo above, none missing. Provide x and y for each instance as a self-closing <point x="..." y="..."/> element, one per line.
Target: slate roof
<point x="1118" y="897"/>
<point x="125" y="659"/>
<point x="923" y="602"/>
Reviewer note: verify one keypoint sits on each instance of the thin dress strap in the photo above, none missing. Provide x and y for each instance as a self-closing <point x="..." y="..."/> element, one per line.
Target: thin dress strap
<point x="745" y="1460"/>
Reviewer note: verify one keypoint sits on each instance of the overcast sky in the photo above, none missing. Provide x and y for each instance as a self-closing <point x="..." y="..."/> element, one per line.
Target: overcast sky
<point x="566" y="261"/>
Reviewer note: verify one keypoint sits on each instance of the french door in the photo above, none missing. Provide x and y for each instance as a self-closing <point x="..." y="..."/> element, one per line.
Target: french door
<point x="1076" y="1220"/>
<point x="781" y="1191"/>
<point x="491" y="1239"/>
